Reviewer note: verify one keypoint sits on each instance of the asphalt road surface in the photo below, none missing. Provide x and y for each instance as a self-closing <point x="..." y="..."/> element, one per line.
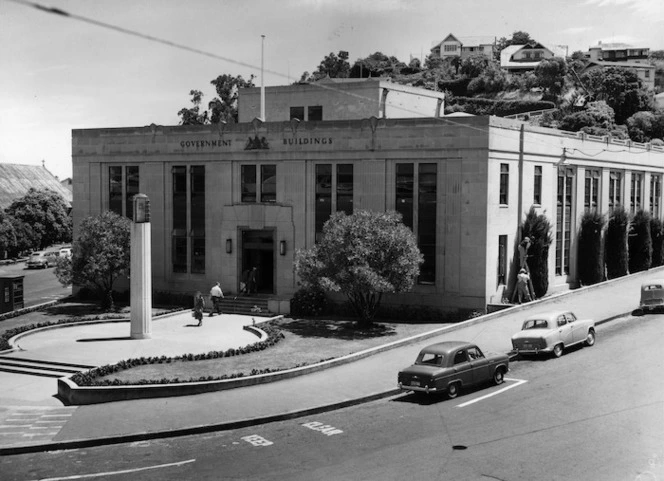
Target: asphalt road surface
<point x="596" y="413"/>
<point x="39" y="285"/>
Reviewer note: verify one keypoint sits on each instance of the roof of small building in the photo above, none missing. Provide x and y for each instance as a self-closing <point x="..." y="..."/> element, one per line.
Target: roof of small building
<point x="17" y="179"/>
<point x="626" y="64"/>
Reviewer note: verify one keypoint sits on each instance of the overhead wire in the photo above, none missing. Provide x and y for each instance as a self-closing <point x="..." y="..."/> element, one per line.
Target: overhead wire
<point x="63" y="13"/>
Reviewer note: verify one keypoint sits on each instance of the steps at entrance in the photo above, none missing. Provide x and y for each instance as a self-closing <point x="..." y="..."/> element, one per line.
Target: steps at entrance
<point x="34" y="367"/>
<point x="254" y="305"/>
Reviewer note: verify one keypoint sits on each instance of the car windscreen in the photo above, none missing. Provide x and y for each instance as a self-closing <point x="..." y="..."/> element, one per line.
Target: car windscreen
<point x="535" y="324"/>
<point x="430" y="359"/>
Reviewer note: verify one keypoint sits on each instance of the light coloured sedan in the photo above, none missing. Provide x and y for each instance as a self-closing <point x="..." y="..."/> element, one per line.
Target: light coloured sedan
<point x="552" y="332"/>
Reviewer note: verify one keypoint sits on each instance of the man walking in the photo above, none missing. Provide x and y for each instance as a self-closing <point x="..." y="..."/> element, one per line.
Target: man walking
<point x="216" y="295"/>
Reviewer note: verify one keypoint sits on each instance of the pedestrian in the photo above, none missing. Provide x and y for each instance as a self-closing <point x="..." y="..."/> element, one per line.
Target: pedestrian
<point x="199" y="307"/>
<point x="244" y="282"/>
<point x="252" y="281"/>
<point x="523" y="286"/>
<point x="216" y="295"/>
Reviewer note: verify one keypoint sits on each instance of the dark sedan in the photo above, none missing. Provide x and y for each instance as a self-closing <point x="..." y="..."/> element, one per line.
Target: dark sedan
<point x="452" y="365"/>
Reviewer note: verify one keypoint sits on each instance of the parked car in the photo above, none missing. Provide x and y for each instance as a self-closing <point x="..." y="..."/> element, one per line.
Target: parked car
<point x="40" y="260"/>
<point x="552" y="332"/>
<point x="450" y="366"/>
<point x="65" y="251"/>
<point x="652" y="295"/>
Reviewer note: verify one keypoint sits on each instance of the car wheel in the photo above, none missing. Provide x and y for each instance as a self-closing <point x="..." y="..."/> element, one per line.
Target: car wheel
<point x="498" y="376"/>
<point x="558" y="350"/>
<point x="453" y="390"/>
<point x="590" y="338"/>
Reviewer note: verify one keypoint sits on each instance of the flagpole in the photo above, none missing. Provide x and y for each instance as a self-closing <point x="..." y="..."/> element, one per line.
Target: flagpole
<point x="262" y="80"/>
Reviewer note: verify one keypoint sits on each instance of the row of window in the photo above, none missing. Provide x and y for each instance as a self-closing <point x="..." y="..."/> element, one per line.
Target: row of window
<point x="314" y="112"/>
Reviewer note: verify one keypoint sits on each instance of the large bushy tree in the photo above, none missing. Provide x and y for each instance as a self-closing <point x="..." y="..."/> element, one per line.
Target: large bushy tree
<point x="363" y="256"/>
<point x="333" y="66"/>
<point x="615" y="247"/>
<point x="101" y="255"/>
<point x="7" y="236"/>
<point x="538" y="228"/>
<point x="46" y="214"/>
<point x="223" y="108"/>
<point x="589" y="250"/>
<point x="550" y="75"/>
<point x="657" y="236"/>
<point x="640" y="242"/>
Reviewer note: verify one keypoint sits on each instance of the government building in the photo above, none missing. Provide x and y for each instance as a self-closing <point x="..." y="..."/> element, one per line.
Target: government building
<point x="228" y="197"/>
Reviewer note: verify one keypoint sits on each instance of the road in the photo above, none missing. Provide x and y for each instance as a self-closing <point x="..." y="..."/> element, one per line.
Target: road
<point x="597" y="413"/>
<point x="39" y="285"/>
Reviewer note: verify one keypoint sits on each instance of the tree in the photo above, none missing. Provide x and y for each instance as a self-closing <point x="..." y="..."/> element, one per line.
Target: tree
<point x="333" y="66"/>
<point x="589" y="250"/>
<point x="538" y="228"/>
<point x="616" y="252"/>
<point x="363" y="256"/>
<point x="645" y="126"/>
<point x="101" y="255"/>
<point x="376" y="65"/>
<point x="621" y="88"/>
<point x="640" y="242"/>
<point x="26" y="237"/>
<point x="597" y="119"/>
<point x="223" y="108"/>
<point x="7" y="236"/>
<point x="657" y="239"/>
<point x="474" y="65"/>
<point x="46" y="213"/>
<point x="550" y="75"/>
<point x="192" y="115"/>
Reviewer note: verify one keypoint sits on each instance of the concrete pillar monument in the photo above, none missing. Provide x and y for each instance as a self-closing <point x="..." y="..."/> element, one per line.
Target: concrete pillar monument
<point x="141" y="269"/>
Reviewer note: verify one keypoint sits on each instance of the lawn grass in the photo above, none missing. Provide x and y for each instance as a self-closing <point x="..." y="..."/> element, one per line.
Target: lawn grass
<point x="305" y="342"/>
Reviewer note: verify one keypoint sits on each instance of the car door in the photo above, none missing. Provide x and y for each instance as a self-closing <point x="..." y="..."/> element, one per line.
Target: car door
<point x="480" y="365"/>
<point x="565" y="333"/>
<point x="462" y="367"/>
<point x="578" y="331"/>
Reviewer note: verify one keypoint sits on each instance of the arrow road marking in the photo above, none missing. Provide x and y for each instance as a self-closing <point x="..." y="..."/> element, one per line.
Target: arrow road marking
<point x="517" y="382"/>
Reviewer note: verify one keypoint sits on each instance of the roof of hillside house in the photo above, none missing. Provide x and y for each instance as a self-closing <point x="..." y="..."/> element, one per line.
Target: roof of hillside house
<point x="17" y="179"/>
<point x="473" y="41"/>
<point x="625" y="64"/>
<point x="618" y="46"/>
<point x="507" y="53"/>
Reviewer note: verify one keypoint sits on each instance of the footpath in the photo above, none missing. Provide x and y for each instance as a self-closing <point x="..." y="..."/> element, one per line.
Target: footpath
<point x="33" y="420"/>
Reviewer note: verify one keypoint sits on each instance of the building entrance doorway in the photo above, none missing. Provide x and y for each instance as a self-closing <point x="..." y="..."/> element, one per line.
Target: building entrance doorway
<point x="258" y="252"/>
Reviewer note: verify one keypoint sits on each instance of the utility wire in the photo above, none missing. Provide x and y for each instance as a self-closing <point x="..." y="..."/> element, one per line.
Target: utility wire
<point x="63" y="13"/>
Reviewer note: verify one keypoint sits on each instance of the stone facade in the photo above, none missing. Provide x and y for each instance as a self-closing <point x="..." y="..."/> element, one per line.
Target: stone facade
<point x="485" y="171"/>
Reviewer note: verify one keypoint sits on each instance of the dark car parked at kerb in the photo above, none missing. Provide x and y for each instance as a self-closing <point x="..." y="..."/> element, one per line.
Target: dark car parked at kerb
<point x="452" y="365"/>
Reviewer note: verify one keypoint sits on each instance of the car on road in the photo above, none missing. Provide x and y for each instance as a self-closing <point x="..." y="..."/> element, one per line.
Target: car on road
<point x="552" y="332"/>
<point x="40" y="260"/>
<point x="450" y="366"/>
<point x="652" y="295"/>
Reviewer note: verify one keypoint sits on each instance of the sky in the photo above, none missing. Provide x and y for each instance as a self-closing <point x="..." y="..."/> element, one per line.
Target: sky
<point x="59" y="73"/>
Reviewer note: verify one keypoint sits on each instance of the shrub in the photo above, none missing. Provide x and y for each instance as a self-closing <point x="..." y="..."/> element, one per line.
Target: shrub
<point x="640" y="242"/>
<point x="590" y="258"/>
<point x="615" y="252"/>
<point x="657" y="238"/>
<point x="309" y="301"/>
<point x="538" y="228"/>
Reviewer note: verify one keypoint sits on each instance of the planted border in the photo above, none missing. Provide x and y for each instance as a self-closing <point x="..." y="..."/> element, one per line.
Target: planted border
<point x="91" y="377"/>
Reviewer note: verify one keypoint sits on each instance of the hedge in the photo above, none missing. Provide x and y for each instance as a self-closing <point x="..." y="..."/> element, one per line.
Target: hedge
<point x="501" y="108"/>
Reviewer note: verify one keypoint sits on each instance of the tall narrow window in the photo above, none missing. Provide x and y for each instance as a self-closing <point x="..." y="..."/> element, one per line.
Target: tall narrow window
<point x="115" y="190"/>
<point x="426" y="220"/>
<point x="345" y="188"/>
<point x="179" y="234"/>
<point x="635" y="192"/>
<point x="323" y="197"/>
<point x="655" y="195"/>
<point x="248" y="183"/>
<point x="591" y="193"/>
<point x="122" y="186"/>
<point x="268" y="183"/>
<point x="564" y="220"/>
<point x="537" y="185"/>
<point x="404" y="194"/>
<point x="502" y="259"/>
<point x="504" y="183"/>
<point x="615" y="187"/>
<point x="197" y="216"/>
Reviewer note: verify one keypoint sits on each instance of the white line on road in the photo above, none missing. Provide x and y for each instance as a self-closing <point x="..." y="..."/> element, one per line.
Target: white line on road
<point x="517" y="382"/>
<point x="124" y="471"/>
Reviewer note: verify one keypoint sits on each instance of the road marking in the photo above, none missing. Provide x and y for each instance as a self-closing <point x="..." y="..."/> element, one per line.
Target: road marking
<point x="257" y="440"/>
<point x="323" y="428"/>
<point x="124" y="471"/>
<point x="517" y="382"/>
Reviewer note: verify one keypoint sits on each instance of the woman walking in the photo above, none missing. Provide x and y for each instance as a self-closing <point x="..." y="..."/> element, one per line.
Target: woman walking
<point x="199" y="307"/>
